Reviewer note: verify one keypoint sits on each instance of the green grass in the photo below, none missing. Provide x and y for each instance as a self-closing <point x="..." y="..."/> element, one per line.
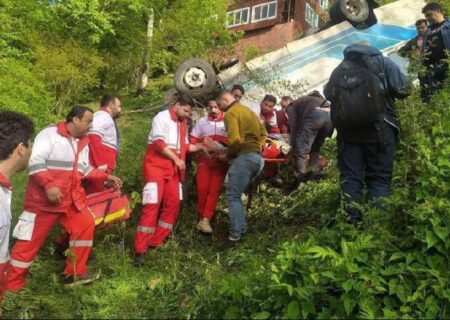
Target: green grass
<point x="190" y="276"/>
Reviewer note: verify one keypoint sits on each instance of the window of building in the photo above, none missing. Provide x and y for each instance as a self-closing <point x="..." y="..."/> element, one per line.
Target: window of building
<point x="311" y="16"/>
<point x="324" y="4"/>
<point x="238" y="17"/>
<point x="264" y="11"/>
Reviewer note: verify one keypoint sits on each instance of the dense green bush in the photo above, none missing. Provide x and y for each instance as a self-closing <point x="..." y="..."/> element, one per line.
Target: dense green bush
<point x="393" y="266"/>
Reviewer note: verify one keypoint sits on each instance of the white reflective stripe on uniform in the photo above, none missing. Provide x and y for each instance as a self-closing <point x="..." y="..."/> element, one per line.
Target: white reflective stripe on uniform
<point x="38" y="167"/>
<point x="81" y="243"/>
<point x="110" y="145"/>
<point x="20" y="264"/>
<point x="97" y="133"/>
<point x="59" y="164"/>
<point x="145" y="229"/>
<point x="165" y="225"/>
<point x="87" y="170"/>
<point x="158" y="137"/>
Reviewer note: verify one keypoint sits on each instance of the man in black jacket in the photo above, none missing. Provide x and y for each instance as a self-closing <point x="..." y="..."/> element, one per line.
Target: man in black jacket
<point x="413" y="47"/>
<point x="366" y="153"/>
<point x="309" y="126"/>
<point x="435" y="49"/>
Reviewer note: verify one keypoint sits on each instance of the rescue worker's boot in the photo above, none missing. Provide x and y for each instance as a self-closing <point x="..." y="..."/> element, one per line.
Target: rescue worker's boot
<point x="204" y="226"/>
<point x="139" y="259"/>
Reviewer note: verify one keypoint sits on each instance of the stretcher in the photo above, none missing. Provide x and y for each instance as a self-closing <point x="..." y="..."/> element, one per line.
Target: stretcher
<point x="276" y="153"/>
<point x="108" y="206"/>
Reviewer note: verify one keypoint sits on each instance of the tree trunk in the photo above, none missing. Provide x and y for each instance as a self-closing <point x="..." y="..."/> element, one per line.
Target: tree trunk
<point x="143" y="81"/>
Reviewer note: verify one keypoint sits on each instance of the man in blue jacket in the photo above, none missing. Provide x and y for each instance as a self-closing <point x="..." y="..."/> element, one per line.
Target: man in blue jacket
<point x="366" y="153"/>
<point x="435" y="49"/>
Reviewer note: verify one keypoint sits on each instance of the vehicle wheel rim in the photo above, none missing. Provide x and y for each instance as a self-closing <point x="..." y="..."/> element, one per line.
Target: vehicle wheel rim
<point x="354" y="7"/>
<point x="195" y="78"/>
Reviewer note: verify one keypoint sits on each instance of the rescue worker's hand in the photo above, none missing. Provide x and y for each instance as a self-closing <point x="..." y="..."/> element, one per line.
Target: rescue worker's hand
<point x="223" y="157"/>
<point x="115" y="182"/>
<point x="205" y="150"/>
<point x="180" y="164"/>
<point x="54" y="195"/>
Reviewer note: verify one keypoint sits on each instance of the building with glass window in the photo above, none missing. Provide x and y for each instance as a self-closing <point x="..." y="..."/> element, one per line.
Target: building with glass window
<point x="270" y="24"/>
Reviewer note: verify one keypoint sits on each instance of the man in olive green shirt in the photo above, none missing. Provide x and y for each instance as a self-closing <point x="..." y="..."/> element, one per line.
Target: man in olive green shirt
<point x="246" y="135"/>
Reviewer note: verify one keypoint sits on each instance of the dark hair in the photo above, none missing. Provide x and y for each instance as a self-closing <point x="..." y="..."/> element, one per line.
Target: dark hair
<point x="184" y="100"/>
<point x="316" y="94"/>
<point x="421" y="21"/>
<point x="433" y="6"/>
<point x="15" y="128"/>
<point x="77" y="112"/>
<point x="284" y="98"/>
<point x="270" y="98"/>
<point x="107" y="99"/>
<point x="238" y="87"/>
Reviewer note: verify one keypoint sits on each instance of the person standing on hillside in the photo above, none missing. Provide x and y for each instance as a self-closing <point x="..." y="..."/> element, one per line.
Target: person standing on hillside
<point x="414" y="46"/>
<point x="15" y="149"/>
<point x="164" y="172"/>
<point x="436" y="48"/>
<point x="361" y="91"/>
<point x="211" y="172"/>
<point x="59" y="161"/>
<point x="103" y="153"/>
<point x="246" y="135"/>
<point x="104" y="139"/>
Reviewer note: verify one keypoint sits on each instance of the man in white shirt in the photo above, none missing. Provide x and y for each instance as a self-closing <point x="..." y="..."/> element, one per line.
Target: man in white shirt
<point x="15" y="133"/>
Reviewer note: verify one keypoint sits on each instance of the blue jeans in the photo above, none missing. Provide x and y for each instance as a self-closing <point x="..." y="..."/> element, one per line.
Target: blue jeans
<point x="371" y="164"/>
<point x="240" y="174"/>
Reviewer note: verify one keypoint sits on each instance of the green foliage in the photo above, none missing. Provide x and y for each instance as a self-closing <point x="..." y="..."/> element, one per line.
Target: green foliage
<point x="79" y="48"/>
<point x="395" y="265"/>
<point x="23" y="89"/>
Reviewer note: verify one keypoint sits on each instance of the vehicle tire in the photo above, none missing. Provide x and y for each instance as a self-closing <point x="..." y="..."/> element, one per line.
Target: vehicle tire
<point x="355" y="11"/>
<point x="359" y="13"/>
<point x="195" y="77"/>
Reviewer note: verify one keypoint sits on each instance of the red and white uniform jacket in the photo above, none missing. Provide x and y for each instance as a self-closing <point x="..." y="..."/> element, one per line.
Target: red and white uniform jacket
<point x="269" y="120"/>
<point x="167" y="131"/>
<point x="103" y="141"/>
<point x="53" y="160"/>
<point x="5" y="219"/>
<point x="212" y="128"/>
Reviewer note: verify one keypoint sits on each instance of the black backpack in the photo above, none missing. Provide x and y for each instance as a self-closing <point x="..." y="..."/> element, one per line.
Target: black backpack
<point x="358" y="94"/>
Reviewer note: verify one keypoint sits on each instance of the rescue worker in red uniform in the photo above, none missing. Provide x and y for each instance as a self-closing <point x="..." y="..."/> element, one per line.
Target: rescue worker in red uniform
<point x="15" y="133"/>
<point x="266" y="113"/>
<point x="58" y="162"/>
<point x="103" y="152"/>
<point x="163" y="169"/>
<point x="211" y="171"/>
<point x="104" y="139"/>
